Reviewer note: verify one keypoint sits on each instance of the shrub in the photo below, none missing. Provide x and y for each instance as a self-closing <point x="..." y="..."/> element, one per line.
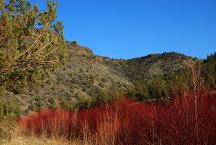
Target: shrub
<point x="131" y="123"/>
<point x="7" y="127"/>
<point x="9" y="110"/>
<point x="31" y="42"/>
<point x="74" y="43"/>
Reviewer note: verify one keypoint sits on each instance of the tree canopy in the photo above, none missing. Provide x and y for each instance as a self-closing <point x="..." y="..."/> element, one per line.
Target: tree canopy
<point x="31" y="41"/>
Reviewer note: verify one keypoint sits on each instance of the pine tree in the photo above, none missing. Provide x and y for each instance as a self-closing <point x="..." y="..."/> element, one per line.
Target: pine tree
<point x="31" y="42"/>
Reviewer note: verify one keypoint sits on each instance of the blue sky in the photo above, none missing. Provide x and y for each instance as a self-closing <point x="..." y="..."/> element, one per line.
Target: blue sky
<point x="133" y="28"/>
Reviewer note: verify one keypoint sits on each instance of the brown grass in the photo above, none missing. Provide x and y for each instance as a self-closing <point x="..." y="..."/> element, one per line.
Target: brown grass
<point x="38" y="141"/>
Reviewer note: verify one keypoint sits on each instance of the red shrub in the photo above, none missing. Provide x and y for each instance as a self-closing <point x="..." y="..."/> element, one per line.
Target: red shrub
<point x="133" y="123"/>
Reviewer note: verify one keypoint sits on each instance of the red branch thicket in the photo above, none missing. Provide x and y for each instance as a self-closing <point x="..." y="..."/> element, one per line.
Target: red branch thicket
<point x="129" y="122"/>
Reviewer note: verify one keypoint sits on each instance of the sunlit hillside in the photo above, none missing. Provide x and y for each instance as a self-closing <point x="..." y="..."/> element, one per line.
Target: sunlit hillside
<point x="110" y="73"/>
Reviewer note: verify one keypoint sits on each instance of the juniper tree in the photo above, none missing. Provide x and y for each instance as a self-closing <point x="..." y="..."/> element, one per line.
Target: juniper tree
<point x="209" y="71"/>
<point x="31" y="41"/>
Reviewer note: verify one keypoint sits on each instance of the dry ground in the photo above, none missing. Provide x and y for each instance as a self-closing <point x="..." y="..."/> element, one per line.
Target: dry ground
<point x="38" y="141"/>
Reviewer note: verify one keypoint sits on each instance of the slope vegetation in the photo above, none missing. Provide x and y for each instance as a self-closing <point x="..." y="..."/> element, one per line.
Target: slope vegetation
<point x="87" y="79"/>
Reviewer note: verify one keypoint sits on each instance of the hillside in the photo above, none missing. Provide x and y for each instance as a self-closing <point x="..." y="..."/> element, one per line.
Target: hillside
<point x="88" y="79"/>
<point x="144" y="68"/>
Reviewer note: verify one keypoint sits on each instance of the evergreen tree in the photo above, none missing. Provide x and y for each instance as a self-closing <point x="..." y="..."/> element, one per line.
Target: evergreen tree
<point x="209" y="71"/>
<point x="31" y="42"/>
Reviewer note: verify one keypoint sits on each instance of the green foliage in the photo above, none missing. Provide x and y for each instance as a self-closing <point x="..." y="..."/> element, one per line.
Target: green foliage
<point x="31" y="42"/>
<point x="201" y="74"/>
<point x="158" y="88"/>
<point x="7" y="128"/>
<point x="68" y="105"/>
<point x="209" y="71"/>
<point x="74" y="43"/>
<point x="38" y="103"/>
<point x="9" y="110"/>
<point x="9" y="107"/>
<point x="52" y="103"/>
<point x="102" y="97"/>
<point x="161" y="87"/>
<point x="140" y="92"/>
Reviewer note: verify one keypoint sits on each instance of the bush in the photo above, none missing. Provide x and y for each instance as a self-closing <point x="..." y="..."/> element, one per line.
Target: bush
<point x="130" y="123"/>
<point x="31" y="42"/>
<point x="7" y="128"/>
<point x="9" y="110"/>
<point x="74" y="43"/>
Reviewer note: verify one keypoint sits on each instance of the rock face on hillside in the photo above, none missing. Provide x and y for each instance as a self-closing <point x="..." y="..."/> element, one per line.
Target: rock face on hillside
<point x="87" y="77"/>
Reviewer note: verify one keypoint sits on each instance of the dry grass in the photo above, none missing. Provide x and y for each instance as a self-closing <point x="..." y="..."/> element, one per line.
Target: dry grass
<point x="105" y="133"/>
<point x="37" y="141"/>
<point x="20" y="139"/>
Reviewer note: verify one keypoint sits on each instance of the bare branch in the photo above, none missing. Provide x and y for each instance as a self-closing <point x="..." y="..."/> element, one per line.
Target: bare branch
<point x="50" y="53"/>
<point x="45" y="28"/>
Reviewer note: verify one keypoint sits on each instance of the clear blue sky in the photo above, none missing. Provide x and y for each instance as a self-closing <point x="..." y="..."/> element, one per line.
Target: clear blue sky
<point x="132" y="28"/>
